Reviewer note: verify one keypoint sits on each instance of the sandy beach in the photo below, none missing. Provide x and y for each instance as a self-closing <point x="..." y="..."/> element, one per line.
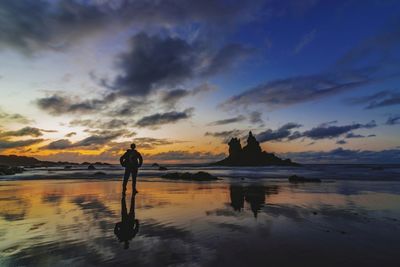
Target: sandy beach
<point x="225" y="223"/>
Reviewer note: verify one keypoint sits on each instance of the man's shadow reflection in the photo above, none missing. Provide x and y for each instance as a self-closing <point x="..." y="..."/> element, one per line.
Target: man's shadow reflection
<point x="128" y="227"/>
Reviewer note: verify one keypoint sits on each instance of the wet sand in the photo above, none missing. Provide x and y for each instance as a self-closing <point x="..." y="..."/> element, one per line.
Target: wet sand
<point x="224" y="223"/>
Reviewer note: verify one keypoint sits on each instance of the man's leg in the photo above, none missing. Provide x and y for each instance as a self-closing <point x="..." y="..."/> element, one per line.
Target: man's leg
<point x="126" y="178"/>
<point x="134" y="175"/>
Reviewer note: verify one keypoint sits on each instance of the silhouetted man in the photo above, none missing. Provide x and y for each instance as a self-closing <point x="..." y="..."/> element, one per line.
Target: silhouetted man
<point x="128" y="227"/>
<point x="131" y="160"/>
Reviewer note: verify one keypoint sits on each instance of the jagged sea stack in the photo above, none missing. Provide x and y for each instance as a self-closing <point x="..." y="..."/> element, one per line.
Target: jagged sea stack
<point x="251" y="155"/>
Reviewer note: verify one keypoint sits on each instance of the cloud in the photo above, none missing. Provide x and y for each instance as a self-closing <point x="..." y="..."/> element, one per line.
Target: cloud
<point x="255" y="117"/>
<point x="99" y="124"/>
<point x="151" y="143"/>
<point x="26" y="131"/>
<point x="155" y="120"/>
<point x="30" y="26"/>
<point x="393" y="120"/>
<point x="70" y="134"/>
<point x="228" y="121"/>
<point x="277" y="135"/>
<point x="92" y="141"/>
<point x="15" y="117"/>
<point x="5" y="144"/>
<point x="377" y="100"/>
<point x="225" y="136"/>
<point x="130" y="108"/>
<point x="341" y="155"/>
<point x="341" y="142"/>
<point x="59" y="105"/>
<point x="329" y="132"/>
<point x="155" y="62"/>
<point x="305" y="40"/>
<point x="172" y="97"/>
<point x="58" y="144"/>
<point x="352" y="135"/>
<point x="323" y="131"/>
<point x="290" y="91"/>
<point x="227" y="56"/>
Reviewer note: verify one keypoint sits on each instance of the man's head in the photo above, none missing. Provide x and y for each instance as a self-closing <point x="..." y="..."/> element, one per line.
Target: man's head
<point x="133" y="146"/>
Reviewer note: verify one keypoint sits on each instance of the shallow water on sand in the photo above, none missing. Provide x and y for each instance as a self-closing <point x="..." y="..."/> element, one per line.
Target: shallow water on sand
<point x="224" y="223"/>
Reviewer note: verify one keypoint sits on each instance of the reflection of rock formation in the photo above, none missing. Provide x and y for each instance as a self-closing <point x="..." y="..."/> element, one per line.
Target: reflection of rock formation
<point x="251" y="155"/>
<point x="253" y="194"/>
<point x="237" y="197"/>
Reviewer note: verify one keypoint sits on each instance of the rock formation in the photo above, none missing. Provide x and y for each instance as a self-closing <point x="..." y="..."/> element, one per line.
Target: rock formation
<point x="251" y="155"/>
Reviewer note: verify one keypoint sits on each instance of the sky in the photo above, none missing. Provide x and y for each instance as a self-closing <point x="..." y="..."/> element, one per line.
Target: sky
<point x="315" y="81"/>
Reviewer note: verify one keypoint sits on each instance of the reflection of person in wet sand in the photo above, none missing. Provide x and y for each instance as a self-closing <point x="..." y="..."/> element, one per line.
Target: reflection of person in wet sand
<point x="132" y="161"/>
<point x="128" y="227"/>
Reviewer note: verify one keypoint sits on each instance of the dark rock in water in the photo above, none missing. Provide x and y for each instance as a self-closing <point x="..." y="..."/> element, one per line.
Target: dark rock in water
<point x="162" y="168"/>
<point x="91" y="167"/>
<point x="155" y="165"/>
<point x="99" y="173"/>
<point x="251" y="155"/>
<point x="301" y="179"/>
<point x="67" y="167"/>
<point x="101" y="163"/>
<point x="7" y="170"/>
<point x="199" y="176"/>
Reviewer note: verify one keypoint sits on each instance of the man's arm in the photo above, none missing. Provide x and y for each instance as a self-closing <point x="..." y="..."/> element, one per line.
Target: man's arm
<point x="140" y="159"/>
<point x="122" y="159"/>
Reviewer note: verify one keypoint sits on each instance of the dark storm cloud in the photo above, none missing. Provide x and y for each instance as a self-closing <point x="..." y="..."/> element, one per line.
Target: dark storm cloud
<point x="377" y="100"/>
<point x="154" y="62"/>
<point x="4" y="144"/>
<point x="341" y="155"/>
<point x="29" y="26"/>
<point x="59" y="105"/>
<point x="158" y="119"/>
<point x="393" y="120"/>
<point x="228" y="121"/>
<point x="26" y="131"/>
<point x="277" y="135"/>
<point x="341" y="142"/>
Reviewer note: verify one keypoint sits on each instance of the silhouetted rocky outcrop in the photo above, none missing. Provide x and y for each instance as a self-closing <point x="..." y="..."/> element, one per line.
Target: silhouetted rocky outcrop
<point x="251" y="155"/>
